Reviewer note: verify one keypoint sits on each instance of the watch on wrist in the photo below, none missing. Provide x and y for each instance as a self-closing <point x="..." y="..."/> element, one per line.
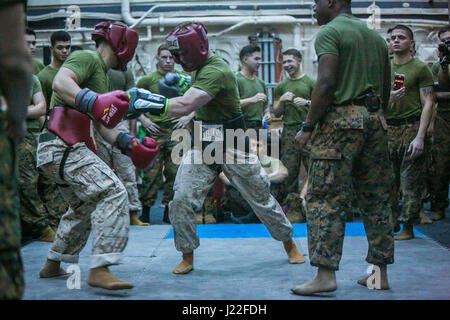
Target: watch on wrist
<point x="308" y="102"/>
<point x="306" y="128"/>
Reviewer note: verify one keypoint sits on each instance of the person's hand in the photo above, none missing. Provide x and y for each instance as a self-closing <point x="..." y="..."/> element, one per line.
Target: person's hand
<point x="299" y="102"/>
<point x="416" y="147"/>
<point x="14" y="130"/>
<point x="397" y="95"/>
<point x="268" y="118"/>
<point x="287" y="96"/>
<point x="149" y="125"/>
<point x="259" y="97"/>
<point x="181" y="122"/>
<point x="302" y="138"/>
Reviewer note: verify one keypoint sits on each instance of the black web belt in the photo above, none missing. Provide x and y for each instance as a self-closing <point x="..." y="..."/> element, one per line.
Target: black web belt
<point x="49" y="136"/>
<point x="399" y="122"/>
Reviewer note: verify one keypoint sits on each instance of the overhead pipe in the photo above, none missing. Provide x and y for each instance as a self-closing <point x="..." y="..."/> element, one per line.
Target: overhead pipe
<point x="209" y="20"/>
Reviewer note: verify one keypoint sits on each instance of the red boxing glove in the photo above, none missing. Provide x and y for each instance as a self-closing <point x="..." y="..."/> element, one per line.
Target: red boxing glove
<point x="107" y="108"/>
<point x="141" y="151"/>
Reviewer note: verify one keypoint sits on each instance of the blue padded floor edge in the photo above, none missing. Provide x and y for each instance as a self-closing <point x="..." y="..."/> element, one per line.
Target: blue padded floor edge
<point x="258" y="230"/>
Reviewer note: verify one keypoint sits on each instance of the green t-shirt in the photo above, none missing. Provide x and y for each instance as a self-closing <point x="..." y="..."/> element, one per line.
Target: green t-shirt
<point x="247" y="89"/>
<point x="362" y="54"/>
<point x="151" y="83"/>
<point x="417" y="75"/>
<point x="443" y="106"/>
<point x="302" y="88"/>
<point x="216" y="78"/>
<point x="37" y="66"/>
<point x="34" y="123"/>
<point x="46" y="77"/>
<point x="120" y="80"/>
<point x="90" y="70"/>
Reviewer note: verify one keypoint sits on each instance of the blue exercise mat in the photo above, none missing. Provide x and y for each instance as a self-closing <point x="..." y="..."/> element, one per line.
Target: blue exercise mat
<point x="258" y="230"/>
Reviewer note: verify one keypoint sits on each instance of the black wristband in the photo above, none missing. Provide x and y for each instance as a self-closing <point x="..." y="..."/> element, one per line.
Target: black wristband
<point x="306" y="128"/>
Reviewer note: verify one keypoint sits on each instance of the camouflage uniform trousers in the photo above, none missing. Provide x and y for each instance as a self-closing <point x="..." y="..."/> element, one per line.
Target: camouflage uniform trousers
<point x="441" y="152"/>
<point x="163" y="164"/>
<point x="349" y="156"/>
<point x="52" y="199"/>
<point x="234" y="201"/>
<point x="409" y="174"/>
<point x="11" y="267"/>
<point x="97" y="199"/>
<point x="123" y="167"/>
<point x="193" y="181"/>
<point x="292" y="157"/>
<point x="34" y="213"/>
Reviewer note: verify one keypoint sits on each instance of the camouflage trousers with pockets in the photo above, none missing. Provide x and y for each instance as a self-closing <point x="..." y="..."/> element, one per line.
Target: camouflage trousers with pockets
<point x="349" y="156"/>
<point x="123" y="167"/>
<point x="11" y="267"/>
<point x="409" y="174"/>
<point x="97" y="201"/>
<point x="193" y="181"/>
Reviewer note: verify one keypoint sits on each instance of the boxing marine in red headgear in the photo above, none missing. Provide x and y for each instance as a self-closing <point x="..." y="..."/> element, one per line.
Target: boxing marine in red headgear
<point x="188" y="44"/>
<point x="121" y="38"/>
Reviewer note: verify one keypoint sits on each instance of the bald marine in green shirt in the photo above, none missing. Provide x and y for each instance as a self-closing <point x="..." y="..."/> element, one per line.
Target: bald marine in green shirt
<point x="349" y="154"/>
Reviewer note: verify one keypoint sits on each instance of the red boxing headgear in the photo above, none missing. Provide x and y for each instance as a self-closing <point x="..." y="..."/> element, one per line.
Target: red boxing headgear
<point x="188" y="44"/>
<point x="122" y="40"/>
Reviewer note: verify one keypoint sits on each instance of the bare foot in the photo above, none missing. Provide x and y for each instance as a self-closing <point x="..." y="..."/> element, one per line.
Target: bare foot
<point x="52" y="269"/>
<point x="295" y="256"/>
<point x="186" y="265"/>
<point x="325" y="281"/>
<point x="101" y="277"/>
<point x="383" y="281"/>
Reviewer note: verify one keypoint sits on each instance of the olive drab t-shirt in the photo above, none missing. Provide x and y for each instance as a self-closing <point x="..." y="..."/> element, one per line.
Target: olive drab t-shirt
<point x="34" y="123"/>
<point x="443" y="106"/>
<point x="417" y="75"/>
<point x="301" y="88"/>
<point x="249" y="88"/>
<point x="362" y="54"/>
<point x="46" y="77"/>
<point x="216" y="78"/>
<point x="37" y="66"/>
<point x="151" y="83"/>
<point x="120" y="80"/>
<point x="90" y="70"/>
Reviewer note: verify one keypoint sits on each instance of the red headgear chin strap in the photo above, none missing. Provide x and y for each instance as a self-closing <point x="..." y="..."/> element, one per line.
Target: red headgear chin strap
<point x="188" y="44"/>
<point x="121" y="38"/>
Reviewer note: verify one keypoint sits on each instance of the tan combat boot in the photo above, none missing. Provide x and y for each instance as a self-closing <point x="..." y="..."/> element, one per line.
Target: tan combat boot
<point x="47" y="234"/>
<point x="209" y="218"/>
<point x="439" y="214"/>
<point x="407" y="233"/>
<point x="134" y="220"/>
<point x="423" y="218"/>
<point x="200" y="218"/>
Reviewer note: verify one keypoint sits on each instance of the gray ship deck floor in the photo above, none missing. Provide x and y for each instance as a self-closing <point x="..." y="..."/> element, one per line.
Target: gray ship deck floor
<point x="241" y="269"/>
